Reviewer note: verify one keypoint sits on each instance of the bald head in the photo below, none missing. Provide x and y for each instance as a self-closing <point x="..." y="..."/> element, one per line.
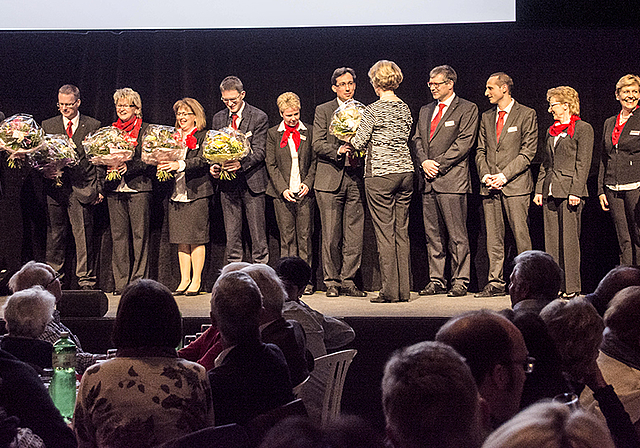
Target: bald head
<point x="33" y="274"/>
<point x="616" y="280"/>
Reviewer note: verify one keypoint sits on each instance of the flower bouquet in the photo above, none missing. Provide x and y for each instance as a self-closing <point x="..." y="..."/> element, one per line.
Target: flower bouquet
<point x="225" y="145"/>
<point x="109" y="146"/>
<point x="162" y="144"/>
<point x="345" y="122"/>
<point x="50" y="159"/>
<point x="19" y="136"/>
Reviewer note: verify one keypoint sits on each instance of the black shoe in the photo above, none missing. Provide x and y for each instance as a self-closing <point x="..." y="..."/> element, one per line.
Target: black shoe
<point x="179" y="292"/>
<point x="352" y="291"/>
<point x="433" y="288"/>
<point x="381" y="298"/>
<point x="491" y="290"/>
<point x="457" y="290"/>
<point x="193" y="293"/>
<point x="332" y="291"/>
<point x="308" y="290"/>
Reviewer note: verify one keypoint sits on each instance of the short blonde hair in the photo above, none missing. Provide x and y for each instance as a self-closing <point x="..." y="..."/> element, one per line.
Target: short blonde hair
<point x="196" y="108"/>
<point x="566" y="94"/>
<point x="288" y="100"/>
<point x="385" y="75"/>
<point x="27" y="312"/>
<point x="131" y="96"/>
<point x="627" y="80"/>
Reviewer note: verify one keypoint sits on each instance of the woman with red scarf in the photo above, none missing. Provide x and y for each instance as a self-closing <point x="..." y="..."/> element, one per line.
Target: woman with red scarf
<point x="189" y="203"/>
<point x="291" y="164"/>
<point x="562" y="183"/>
<point x="619" y="177"/>
<point x="129" y="197"/>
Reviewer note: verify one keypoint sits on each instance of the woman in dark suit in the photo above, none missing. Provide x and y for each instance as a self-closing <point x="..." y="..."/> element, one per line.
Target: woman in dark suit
<point x="291" y="164"/>
<point x="189" y="202"/>
<point x="562" y="183"/>
<point x="619" y="177"/>
<point x="129" y="198"/>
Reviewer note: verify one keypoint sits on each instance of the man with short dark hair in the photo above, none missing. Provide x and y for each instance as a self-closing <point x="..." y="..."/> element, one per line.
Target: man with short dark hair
<point x="535" y="281"/>
<point x="616" y="280"/>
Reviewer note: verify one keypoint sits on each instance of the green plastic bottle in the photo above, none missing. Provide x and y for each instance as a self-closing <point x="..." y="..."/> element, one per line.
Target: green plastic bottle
<point x="63" y="382"/>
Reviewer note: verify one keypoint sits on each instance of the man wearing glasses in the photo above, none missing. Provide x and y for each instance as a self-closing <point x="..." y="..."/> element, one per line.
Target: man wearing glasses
<point x="339" y="190"/>
<point x="446" y="132"/>
<point x="248" y="188"/>
<point x="73" y="202"/>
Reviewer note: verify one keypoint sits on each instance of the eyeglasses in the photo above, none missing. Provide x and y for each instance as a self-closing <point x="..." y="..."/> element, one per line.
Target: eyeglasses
<point x="342" y="85"/>
<point x="553" y="104"/>
<point x="435" y="85"/>
<point x="125" y="106"/>
<point x="55" y="277"/>
<point x="184" y="114"/>
<point x="231" y="100"/>
<point x="61" y="105"/>
<point x="528" y="365"/>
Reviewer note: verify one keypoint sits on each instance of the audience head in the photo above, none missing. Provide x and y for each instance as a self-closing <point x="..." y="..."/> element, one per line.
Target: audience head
<point x="430" y="399"/>
<point x="530" y="267"/>
<point x="234" y="266"/>
<point x="616" y="279"/>
<point x="147" y="316"/>
<point x="27" y="312"/>
<point x="295" y="274"/>
<point x="623" y="315"/>
<point x="576" y="328"/>
<point x="236" y="303"/>
<point x="385" y="75"/>
<point x="273" y="293"/>
<point x="34" y="273"/>
<point x="551" y="425"/>
<point x="131" y="100"/>
<point x="190" y="105"/>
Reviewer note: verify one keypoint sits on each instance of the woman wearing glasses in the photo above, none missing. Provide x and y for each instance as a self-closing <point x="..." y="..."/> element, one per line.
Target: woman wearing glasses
<point x="189" y="202"/>
<point x="129" y="197"/>
<point x="562" y="183"/>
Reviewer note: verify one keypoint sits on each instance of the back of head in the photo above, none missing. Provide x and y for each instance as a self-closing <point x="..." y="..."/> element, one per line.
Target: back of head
<point x="31" y="274"/>
<point x="294" y="270"/>
<point x="623" y="315"/>
<point x="28" y="311"/>
<point x="531" y="267"/>
<point x="273" y="293"/>
<point x="551" y="425"/>
<point x="429" y="398"/>
<point x="616" y="280"/>
<point x="234" y="266"/>
<point x="147" y="316"/>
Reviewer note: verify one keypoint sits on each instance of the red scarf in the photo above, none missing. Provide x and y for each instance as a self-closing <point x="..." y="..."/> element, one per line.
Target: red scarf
<point x="190" y="141"/>
<point x="294" y="133"/>
<point x="131" y="126"/>
<point x="557" y="127"/>
<point x="617" y="130"/>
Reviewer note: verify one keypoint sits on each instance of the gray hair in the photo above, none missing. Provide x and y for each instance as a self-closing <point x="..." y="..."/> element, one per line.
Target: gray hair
<point x="445" y="70"/>
<point x="131" y="96"/>
<point x="31" y="274"/>
<point x="69" y="89"/>
<point x="534" y="266"/>
<point x="27" y="312"/>
<point x="271" y="286"/>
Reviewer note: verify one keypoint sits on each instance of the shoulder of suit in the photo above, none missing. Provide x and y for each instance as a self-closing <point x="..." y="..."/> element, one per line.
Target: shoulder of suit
<point x="329" y="105"/>
<point x="274" y="129"/>
<point x="466" y="103"/>
<point x="253" y="110"/>
<point x="583" y="125"/>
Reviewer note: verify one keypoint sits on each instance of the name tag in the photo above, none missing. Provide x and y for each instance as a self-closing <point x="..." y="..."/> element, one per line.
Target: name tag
<point x="248" y="134"/>
<point x="449" y="123"/>
<point x="634" y="132"/>
<point x="512" y="129"/>
<point x="303" y="137"/>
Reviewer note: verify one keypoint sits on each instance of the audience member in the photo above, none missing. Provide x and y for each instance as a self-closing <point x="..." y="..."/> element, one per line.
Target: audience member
<point x="535" y="281"/>
<point x="616" y="280"/>
<point x="430" y="399"/>
<point x="496" y="354"/>
<point x="146" y="395"/>
<point x="250" y="377"/>
<point x="34" y="273"/>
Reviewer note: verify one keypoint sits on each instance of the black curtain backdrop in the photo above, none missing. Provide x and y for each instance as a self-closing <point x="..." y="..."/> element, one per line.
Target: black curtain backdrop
<point x="164" y="66"/>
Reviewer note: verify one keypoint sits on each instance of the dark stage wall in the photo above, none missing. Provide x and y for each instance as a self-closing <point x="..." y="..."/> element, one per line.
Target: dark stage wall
<point x="164" y="66"/>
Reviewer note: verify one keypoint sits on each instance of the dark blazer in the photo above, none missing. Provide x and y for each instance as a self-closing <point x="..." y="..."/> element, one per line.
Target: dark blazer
<point x="450" y="146"/>
<point x="279" y="161"/>
<point x="31" y="351"/>
<point x="513" y="154"/>
<point x="620" y="164"/>
<point x="82" y="178"/>
<point x="196" y="172"/>
<point x="254" y="125"/>
<point x="252" y="379"/>
<point x="289" y="336"/>
<point x="566" y="167"/>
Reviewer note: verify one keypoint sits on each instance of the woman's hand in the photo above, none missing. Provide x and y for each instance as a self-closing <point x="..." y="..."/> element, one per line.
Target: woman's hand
<point x="169" y="166"/>
<point x="215" y="171"/>
<point x="603" y="202"/>
<point x="231" y="165"/>
<point x="537" y="199"/>
<point x="574" y="200"/>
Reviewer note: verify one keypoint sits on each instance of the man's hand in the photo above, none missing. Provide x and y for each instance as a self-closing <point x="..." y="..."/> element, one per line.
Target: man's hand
<point x="574" y="200"/>
<point x="430" y="168"/>
<point x="231" y="165"/>
<point x="215" y="171"/>
<point x="603" y="202"/>
<point x="345" y="148"/>
<point x="537" y="199"/>
<point x="169" y="166"/>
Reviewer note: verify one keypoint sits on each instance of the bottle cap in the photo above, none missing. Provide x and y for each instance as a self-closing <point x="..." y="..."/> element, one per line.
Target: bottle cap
<point x="64" y="334"/>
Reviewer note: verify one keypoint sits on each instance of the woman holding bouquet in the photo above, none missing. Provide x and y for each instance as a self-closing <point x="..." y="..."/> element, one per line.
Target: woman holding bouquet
<point x="189" y="202"/>
<point x="129" y="197"/>
<point x="388" y="178"/>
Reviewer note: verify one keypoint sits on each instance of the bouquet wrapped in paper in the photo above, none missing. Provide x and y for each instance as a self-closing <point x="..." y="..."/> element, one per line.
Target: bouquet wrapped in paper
<point x="20" y="135"/>
<point x="162" y="144"/>
<point x="111" y="147"/>
<point x="225" y="145"/>
<point x="58" y="153"/>
<point x="345" y="122"/>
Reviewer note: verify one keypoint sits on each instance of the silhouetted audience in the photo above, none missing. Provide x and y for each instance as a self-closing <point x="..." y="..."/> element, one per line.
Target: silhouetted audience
<point x="616" y="280"/>
<point x="535" y="281"/>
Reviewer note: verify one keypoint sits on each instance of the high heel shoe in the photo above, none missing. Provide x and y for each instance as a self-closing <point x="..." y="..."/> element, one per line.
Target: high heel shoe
<point x="193" y="293"/>
<point x="181" y="292"/>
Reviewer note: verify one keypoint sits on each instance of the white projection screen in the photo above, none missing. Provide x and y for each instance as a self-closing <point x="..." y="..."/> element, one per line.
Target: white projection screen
<point x="215" y="14"/>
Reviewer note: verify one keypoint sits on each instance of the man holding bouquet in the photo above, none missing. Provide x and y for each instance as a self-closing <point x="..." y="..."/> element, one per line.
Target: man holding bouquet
<point x="73" y="202"/>
<point x="339" y="190"/>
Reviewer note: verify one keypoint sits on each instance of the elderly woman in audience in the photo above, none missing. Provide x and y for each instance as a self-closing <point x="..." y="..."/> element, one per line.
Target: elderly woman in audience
<point x="27" y="313"/>
<point x="146" y="395"/>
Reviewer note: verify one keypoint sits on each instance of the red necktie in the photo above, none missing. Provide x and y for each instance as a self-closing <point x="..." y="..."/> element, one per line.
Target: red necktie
<point x="436" y="119"/>
<point x="69" y="129"/>
<point x="234" y="121"/>
<point x="500" y="123"/>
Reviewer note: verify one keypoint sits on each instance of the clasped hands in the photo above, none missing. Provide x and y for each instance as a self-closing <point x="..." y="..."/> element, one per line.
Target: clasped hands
<point x="494" y="181"/>
<point x="293" y="197"/>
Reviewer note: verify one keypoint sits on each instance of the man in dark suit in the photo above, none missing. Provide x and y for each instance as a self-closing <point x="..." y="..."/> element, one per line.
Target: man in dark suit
<point x="446" y="132"/>
<point x="249" y="186"/>
<point x="507" y="143"/>
<point x="339" y="190"/>
<point x="73" y="202"/>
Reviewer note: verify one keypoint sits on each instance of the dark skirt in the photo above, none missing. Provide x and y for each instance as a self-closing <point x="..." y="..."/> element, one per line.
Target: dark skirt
<point x="189" y="222"/>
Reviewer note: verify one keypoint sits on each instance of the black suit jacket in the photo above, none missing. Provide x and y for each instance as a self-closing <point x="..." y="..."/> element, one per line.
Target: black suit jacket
<point x="196" y="172"/>
<point x="279" y="161"/>
<point x="254" y="125"/>
<point x="453" y="138"/>
<point x="620" y="164"/>
<point x="513" y="154"/>
<point x="289" y="336"/>
<point x="82" y="178"/>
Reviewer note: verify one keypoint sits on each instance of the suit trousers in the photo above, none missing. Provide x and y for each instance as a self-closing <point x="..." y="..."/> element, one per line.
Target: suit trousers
<point x="232" y="202"/>
<point x="129" y="217"/>
<point x="388" y="199"/>
<point x="295" y="223"/>
<point x="445" y="215"/>
<point x="562" y="238"/>
<point x="342" y="218"/>
<point x="516" y="209"/>
<point x="62" y="211"/>
<point x="626" y="218"/>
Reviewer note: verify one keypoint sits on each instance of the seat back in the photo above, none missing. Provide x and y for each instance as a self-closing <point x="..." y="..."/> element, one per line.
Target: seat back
<point x="258" y="427"/>
<point x="228" y="436"/>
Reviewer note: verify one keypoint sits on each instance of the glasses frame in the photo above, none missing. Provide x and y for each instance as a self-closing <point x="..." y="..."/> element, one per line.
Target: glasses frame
<point x="61" y="105"/>
<point x="55" y="277"/>
<point x="436" y="85"/>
